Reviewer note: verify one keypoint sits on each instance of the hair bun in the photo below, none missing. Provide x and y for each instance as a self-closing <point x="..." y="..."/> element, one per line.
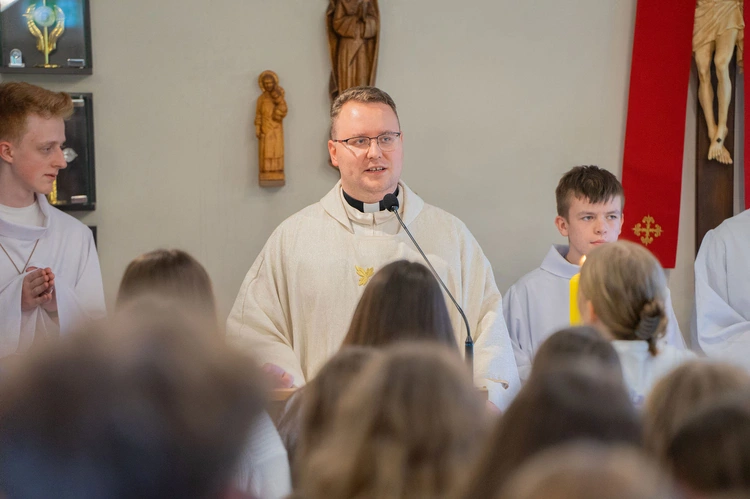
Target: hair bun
<point x="652" y="315"/>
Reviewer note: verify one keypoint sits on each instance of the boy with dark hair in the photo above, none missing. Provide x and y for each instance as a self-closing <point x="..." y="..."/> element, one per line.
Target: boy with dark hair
<point x="50" y="279"/>
<point x="589" y="213"/>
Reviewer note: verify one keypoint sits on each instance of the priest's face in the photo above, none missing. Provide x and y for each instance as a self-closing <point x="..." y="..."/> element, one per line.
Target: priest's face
<point x="371" y="173"/>
<point x="589" y="225"/>
<point x="36" y="158"/>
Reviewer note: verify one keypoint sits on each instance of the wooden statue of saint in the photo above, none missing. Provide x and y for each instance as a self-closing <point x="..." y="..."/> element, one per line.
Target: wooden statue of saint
<point x="269" y="113"/>
<point x="353" y="40"/>
<point x="718" y="28"/>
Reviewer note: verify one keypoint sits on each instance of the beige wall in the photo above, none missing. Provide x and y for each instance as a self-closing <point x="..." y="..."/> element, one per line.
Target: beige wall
<point x="497" y="98"/>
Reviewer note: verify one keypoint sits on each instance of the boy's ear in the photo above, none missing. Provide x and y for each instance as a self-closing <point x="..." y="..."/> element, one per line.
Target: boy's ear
<point x="6" y="151"/>
<point x="562" y="225"/>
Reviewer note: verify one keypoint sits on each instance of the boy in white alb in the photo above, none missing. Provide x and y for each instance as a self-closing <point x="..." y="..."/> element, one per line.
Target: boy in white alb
<point x="50" y="280"/>
<point x="589" y="213"/>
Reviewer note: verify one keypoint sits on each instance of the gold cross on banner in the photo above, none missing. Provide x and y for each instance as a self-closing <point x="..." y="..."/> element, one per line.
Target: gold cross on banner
<point x="647" y="233"/>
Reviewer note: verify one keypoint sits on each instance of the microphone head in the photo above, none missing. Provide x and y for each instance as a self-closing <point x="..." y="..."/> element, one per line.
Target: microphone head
<point x="390" y="202"/>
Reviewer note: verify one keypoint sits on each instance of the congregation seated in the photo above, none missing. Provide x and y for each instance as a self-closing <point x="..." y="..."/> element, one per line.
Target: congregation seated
<point x="586" y="471"/>
<point x="143" y="406"/>
<point x="308" y="417"/>
<point x="709" y="452"/>
<point x="566" y="403"/>
<point x="175" y="277"/>
<point x="689" y="387"/>
<point x="622" y="293"/>
<point x="575" y="344"/>
<point x="409" y="425"/>
<point x="402" y="301"/>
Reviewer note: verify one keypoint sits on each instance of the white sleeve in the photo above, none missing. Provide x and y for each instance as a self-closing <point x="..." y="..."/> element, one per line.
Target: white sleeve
<point x="516" y="318"/>
<point x="721" y="331"/>
<point x="258" y="323"/>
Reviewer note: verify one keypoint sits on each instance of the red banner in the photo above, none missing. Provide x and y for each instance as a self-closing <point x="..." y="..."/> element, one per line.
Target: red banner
<point x="746" y="81"/>
<point x="655" y="130"/>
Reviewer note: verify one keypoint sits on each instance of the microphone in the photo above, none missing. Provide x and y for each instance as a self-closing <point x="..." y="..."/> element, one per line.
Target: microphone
<point x="390" y="203"/>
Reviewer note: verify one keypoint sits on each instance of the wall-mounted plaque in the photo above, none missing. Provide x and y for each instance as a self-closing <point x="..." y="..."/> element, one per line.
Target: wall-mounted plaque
<point x="54" y="36"/>
<point x="75" y="187"/>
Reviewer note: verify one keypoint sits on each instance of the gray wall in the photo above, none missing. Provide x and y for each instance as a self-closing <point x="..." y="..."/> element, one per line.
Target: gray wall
<point x="497" y="99"/>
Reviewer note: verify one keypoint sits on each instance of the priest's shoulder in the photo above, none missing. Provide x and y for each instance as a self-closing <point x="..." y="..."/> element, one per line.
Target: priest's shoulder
<point x="438" y="217"/>
<point x="309" y="216"/>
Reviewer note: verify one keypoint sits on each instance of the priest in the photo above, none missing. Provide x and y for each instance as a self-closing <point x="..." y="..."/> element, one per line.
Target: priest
<point x="722" y="292"/>
<point x="295" y="304"/>
<point x="50" y="281"/>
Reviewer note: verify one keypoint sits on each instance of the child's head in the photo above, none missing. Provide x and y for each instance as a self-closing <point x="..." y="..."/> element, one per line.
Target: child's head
<point x="173" y="275"/>
<point x="589" y="209"/>
<point x="307" y="421"/>
<point x="409" y="425"/>
<point x="403" y="301"/>
<point x="622" y="291"/>
<point x="688" y="387"/>
<point x="576" y="344"/>
<point x="710" y="451"/>
<point x="586" y="471"/>
<point x="562" y="404"/>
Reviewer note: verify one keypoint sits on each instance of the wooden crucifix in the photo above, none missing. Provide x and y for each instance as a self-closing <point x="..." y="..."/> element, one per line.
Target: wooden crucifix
<point x="717" y="36"/>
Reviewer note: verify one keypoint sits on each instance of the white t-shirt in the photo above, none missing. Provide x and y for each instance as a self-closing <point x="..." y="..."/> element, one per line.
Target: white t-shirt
<point x="28" y="215"/>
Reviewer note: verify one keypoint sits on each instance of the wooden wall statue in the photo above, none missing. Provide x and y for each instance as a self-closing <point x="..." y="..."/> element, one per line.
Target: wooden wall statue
<point x="353" y="41"/>
<point x="269" y="114"/>
<point x="719" y="28"/>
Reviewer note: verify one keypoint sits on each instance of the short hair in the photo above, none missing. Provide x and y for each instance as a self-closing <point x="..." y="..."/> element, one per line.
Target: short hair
<point x="573" y="345"/>
<point x="595" y="184"/>
<point x="588" y="471"/>
<point x="131" y="408"/>
<point x="560" y="405"/>
<point x="627" y="289"/>
<point x="685" y="389"/>
<point x="18" y="100"/>
<point x="171" y="273"/>
<point x="308" y="418"/>
<point x="710" y="451"/>
<point x="409" y="425"/>
<point x="362" y="94"/>
<point x="403" y="301"/>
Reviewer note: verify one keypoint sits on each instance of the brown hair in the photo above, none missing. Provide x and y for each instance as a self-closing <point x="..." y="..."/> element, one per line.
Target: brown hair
<point x="18" y="100"/>
<point x="173" y="274"/>
<point x="308" y="417"/>
<point x="587" y="471"/>
<point x="564" y="404"/>
<point x="132" y="408"/>
<point x="587" y="182"/>
<point x="574" y="344"/>
<point x="408" y="426"/>
<point x="363" y="94"/>
<point x="710" y="451"/>
<point x="403" y="301"/>
<point x="675" y="396"/>
<point x="627" y="288"/>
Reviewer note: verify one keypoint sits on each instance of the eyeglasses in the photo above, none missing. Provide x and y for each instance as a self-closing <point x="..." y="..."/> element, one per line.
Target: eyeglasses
<point x="386" y="141"/>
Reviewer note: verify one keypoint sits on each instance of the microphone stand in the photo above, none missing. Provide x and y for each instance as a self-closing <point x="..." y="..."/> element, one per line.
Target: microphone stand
<point x="469" y="343"/>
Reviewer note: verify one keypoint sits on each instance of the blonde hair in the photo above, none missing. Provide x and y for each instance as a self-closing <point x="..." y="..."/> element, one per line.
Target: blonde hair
<point x="683" y="390"/>
<point x="407" y="427"/>
<point x="627" y="288"/>
<point x="18" y="100"/>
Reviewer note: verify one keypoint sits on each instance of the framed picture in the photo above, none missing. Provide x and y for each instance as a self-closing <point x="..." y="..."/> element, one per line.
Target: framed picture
<point x="45" y="36"/>
<point x="75" y="187"/>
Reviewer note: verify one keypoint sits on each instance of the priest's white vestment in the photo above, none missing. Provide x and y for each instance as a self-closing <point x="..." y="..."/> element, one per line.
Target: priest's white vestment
<point x="67" y="247"/>
<point x="722" y="292"/>
<point x="297" y="301"/>
<point x="538" y="305"/>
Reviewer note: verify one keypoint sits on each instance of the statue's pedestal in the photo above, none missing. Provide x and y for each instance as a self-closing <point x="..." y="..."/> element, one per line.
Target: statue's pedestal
<point x="271" y="179"/>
